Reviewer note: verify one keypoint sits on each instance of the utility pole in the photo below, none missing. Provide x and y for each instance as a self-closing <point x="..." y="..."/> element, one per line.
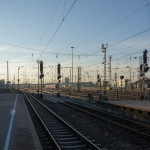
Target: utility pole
<point x="110" y="70"/>
<point x="104" y="83"/>
<point x="116" y="80"/>
<point x="140" y="72"/>
<point x="70" y="75"/>
<point x="116" y="86"/>
<point x="14" y="81"/>
<point x="72" y="65"/>
<point x="79" y="78"/>
<point x="38" y="61"/>
<point x="130" y="74"/>
<point x="7" y="76"/>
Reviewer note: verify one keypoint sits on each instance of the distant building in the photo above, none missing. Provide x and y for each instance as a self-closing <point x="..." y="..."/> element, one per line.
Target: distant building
<point x="66" y="82"/>
<point x="2" y="83"/>
<point x="127" y="84"/>
<point x="140" y="83"/>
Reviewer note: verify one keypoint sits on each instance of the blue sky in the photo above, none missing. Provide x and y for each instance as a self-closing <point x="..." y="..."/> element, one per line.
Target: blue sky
<point x="89" y="24"/>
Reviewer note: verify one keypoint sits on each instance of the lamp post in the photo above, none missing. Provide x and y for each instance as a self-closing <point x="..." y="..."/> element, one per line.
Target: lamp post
<point x="18" y="77"/>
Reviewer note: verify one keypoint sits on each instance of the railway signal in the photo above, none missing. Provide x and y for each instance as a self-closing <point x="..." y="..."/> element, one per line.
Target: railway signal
<point x="121" y="77"/>
<point x="98" y="78"/>
<point x="141" y="70"/>
<point x="58" y="77"/>
<point x="146" y="69"/>
<point x="144" y="66"/>
<point x="58" y="72"/>
<point x="145" y="56"/>
<point x="41" y="67"/>
<point x="41" y="76"/>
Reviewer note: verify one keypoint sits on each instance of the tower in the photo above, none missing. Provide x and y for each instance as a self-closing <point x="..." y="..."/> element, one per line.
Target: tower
<point x="110" y="69"/>
<point x="7" y="76"/>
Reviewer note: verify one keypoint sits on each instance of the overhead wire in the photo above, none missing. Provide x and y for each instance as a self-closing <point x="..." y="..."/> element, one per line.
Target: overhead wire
<point x="124" y="18"/>
<point x="58" y="28"/>
<point x="38" y="50"/>
<point x="146" y="30"/>
<point x="141" y="32"/>
<point x="116" y="23"/>
<point x="50" y="20"/>
<point x="32" y="49"/>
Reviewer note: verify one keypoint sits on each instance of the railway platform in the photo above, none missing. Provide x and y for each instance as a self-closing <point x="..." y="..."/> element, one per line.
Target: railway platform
<point x="17" y="131"/>
<point x="143" y="105"/>
<point x="133" y="109"/>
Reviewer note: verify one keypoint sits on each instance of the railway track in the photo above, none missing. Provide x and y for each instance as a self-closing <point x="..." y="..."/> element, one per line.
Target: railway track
<point x="130" y="125"/>
<point x="54" y="131"/>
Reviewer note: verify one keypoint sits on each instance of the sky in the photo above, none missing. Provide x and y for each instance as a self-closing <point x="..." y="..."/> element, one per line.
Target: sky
<point x="32" y="30"/>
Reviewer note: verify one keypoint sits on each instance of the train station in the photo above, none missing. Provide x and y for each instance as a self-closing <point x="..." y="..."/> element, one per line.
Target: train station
<point x="75" y="75"/>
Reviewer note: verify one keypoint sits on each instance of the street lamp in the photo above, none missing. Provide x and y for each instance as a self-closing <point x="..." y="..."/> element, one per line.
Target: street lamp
<point x="18" y="77"/>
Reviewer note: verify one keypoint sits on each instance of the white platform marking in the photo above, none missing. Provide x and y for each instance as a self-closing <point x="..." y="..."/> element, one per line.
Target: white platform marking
<point x="10" y="125"/>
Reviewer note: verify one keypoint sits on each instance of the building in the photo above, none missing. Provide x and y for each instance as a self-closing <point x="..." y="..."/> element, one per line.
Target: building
<point x="67" y="82"/>
<point x="140" y="83"/>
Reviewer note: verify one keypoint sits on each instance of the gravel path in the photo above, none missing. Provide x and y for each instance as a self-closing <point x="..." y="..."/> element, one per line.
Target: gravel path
<point x="106" y="135"/>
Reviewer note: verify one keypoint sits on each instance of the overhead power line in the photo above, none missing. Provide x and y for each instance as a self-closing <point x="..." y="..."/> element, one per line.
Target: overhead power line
<point x="38" y="50"/>
<point x="58" y="28"/>
<point x="146" y="30"/>
<point x="50" y="20"/>
<point x="114" y="24"/>
<point x="32" y="49"/>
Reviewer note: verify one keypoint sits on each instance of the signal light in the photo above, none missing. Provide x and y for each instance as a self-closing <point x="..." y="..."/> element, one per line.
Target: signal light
<point x="141" y="74"/>
<point x="141" y="67"/>
<point x="41" y="66"/>
<point x="41" y="76"/>
<point x="58" y="77"/>
<point x="121" y="77"/>
<point x="146" y="69"/>
<point x="58" y="71"/>
<point x="145" y="56"/>
<point x="98" y="80"/>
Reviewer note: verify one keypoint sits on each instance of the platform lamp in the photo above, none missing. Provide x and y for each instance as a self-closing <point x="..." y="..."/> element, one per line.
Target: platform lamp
<point x="18" y="77"/>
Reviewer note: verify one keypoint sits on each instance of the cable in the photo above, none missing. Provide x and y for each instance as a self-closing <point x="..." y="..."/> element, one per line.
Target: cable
<point x="116" y="23"/>
<point x="50" y="21"/>
<point x="58" y="28"/>
<point x="130" y="37"/>
<point x="18" y="46"/>
<point x="38" y="50"/>
<point x="126" y="55"/>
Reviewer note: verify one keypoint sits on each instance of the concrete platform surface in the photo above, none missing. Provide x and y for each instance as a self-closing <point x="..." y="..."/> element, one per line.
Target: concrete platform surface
<point x="17" y="131"/>
<point x="135" y="104"/>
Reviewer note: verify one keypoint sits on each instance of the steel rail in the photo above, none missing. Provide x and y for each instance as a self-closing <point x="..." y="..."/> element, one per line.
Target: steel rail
<point x="83" y="138"/>
<point x="49" y="135"/>
<point x="114" y="119"/>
